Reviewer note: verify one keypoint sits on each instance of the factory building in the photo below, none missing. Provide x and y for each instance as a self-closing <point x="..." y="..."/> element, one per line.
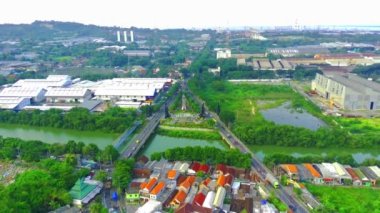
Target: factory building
<point x="67" y="95"/>
<point x="50" y="81"/>
<point x="13" y="103"/>
<point x="35" y="94"/>
<point x="348" y="91"/>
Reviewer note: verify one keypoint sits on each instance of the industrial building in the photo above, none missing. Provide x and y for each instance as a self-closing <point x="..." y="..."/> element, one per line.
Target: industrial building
<point x="59" y="91"/>
<point x="35" y="94"/>
<point x="50" y="81"/>
<point x="67" y="95"/>
<point x="348" y="91"/>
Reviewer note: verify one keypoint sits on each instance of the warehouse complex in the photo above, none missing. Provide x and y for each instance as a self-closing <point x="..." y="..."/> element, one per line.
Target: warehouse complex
<point x="332" y="174"/>
<point x="348" y="91"/>
<point x="63" y="92"/>
<point x="159" y="185"/>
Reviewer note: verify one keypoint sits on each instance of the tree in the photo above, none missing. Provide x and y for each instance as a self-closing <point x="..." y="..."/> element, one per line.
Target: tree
<point x="97" y="207"/>
<point x="122" y="175"/>
<point x="91" y="151"/>
<point x="71" y="159"/>
<point x="167" y="114"/>
<point x="101" y="176"/>
<point x="109" y="154"/>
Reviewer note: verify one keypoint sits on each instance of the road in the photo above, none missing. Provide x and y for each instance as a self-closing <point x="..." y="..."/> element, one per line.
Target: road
<point x="140" y="139"/>
<point x="257" y="165"/>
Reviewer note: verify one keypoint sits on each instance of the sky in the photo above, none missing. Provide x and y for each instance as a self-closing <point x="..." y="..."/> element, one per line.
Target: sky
<point x="193" y="13"/>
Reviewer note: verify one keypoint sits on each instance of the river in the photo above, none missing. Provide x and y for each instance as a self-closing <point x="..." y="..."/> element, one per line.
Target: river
<point x="54" y="135"/>
<point x="160" y="143"/>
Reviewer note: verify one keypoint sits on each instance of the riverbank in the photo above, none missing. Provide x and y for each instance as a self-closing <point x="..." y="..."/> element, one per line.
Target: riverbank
<point x="54" y="135"/>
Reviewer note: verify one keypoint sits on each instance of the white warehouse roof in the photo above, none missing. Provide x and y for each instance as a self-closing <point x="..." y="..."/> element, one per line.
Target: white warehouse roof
<point x="20" y="92"/>
<point x="11" y="102"/>
<point x="67" y="92"/>
<point x="50" y="81"/>
<point x="125" y="92"/>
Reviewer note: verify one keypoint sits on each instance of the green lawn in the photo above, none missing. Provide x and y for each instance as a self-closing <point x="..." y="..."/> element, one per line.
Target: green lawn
<point x="347" y="199"/>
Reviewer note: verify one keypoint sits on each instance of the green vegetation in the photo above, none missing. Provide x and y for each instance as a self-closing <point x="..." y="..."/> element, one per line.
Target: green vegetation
<point x="198" y="123"/>
<point x="277" y="202"/>
<point x="275" y="159"/>
<point x="194" y="134"/>
<point x="122" y="174"/>
<point x="34" y="151"/>
<point x="361" y="125"/>
<point x="114" y="120"/>
<point x="42" y="189"/>
<point x="346" y="199"/>
<point x="209" y="155"/>
<point x="372" y="71"/>
<point x="239" y="108"/>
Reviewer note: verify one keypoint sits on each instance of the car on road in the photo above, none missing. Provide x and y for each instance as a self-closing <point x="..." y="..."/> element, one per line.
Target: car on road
<point x="137" y="141"/>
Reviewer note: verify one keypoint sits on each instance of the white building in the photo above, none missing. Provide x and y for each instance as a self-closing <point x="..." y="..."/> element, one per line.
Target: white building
<point x="36" y="94"/>
<point x="13" y="103"/>
<point x="67" y="95"/>
<point x="122" y="94"/>
<point x="223" y="53"/>
<point x="150" y="207"/>
<point x="348" y="91"/>
<point x="50" y="81"/>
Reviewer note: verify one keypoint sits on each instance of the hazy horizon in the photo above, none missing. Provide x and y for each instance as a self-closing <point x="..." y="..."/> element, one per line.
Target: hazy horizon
<point x="197" y="14"/>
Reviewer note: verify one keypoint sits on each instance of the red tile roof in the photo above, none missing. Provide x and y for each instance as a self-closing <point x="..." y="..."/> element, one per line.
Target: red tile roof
<point x="199" y="199"/>
<point x="205" y="168"/>
<point x="229" y="179"/>
<point x="195" y="166"/>
<point x="149" y="186"/>
<point x="221" y="167"/>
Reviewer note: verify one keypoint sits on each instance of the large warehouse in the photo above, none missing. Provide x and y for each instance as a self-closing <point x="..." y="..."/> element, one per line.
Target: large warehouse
<point x="348" y="91"/>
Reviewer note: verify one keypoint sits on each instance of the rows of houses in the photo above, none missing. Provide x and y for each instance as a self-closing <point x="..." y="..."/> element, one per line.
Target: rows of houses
<point x="193" y="187"/>
<point x="61" y="91"/>
<point x="332" y="173"/>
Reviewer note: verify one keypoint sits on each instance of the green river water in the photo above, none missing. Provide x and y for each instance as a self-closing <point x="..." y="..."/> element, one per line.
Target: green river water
<point x="53" y="135"/>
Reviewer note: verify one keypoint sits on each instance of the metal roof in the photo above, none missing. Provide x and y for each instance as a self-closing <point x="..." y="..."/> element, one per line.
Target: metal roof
<point x="67" y="92"/>
<point x="20" y="92"/>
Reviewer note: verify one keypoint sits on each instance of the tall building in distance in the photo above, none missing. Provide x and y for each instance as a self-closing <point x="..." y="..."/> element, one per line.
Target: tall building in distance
<point x="118" y="36"/>
<point x="132" y="36"/>
<point x="125" y="37"/>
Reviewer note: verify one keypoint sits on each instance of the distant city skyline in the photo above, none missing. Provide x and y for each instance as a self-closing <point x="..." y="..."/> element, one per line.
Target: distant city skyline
<point x="193" y="14"/>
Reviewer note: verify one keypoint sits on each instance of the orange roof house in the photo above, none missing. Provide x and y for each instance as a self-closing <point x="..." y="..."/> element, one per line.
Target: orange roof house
<point x="221" y="180"/>
<point x="172" y="174"/>
<point x="312" y="170"/>
<point x="148" y="186"/>
<point x="158" y="188"/>
<point x="179" y="197"/>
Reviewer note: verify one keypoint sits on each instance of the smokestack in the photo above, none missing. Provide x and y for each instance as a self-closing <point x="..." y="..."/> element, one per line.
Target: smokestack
<point x="118" y="36"/>
<point x="132" y="37"/>
<point x="125" y="37"/>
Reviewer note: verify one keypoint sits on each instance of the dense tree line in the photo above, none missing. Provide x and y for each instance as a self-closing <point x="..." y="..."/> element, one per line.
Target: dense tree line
<point x="34" y="151"/>
<point x="209" y="155"/>
<point x="113" y="120"/>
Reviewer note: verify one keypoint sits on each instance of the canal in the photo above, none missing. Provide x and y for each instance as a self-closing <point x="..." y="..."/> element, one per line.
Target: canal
<point x="160" y="143"/>
<point x="53" y="135"/>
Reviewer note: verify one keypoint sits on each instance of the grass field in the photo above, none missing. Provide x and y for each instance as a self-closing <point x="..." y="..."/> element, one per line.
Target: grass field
<point x="360" y="125"/>
<point x="347" y="199"/>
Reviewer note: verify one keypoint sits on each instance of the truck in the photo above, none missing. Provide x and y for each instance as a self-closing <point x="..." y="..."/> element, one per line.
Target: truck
<point x="272" y="180"/>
